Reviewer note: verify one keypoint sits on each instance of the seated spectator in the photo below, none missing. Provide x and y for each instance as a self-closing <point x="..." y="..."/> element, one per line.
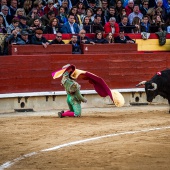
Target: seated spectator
<point x="13" y="25"/>
<point x="145" y="25"/>
<point x="40" y="8"/>
<point x="66" y="4"/>
<point x="70" y="27"/>
<point x="23" y="23"/>
<point x="6" y="17"/>
<point x="157" y="24"/>
<point x="100" y="12"/>
<point x="50" y="7"/>
<point x="76" y="49"/>
<point x="46" y="18"/>
<point x="151" y="14"/>
<point x="58" y="39"/>
<point x="129" y="7"/>
<point x="110" y="38"/>
<point x="62" y="17"/>
<point x="96" y="24"/>
<point x="33" y="14"/>
<point x="11" y="39"/>
<point x="99" y="38"/>
<point x="124" y="24"/>
<point x="137" y="23"/>
<point x="121" y="38"/>
<point x="90" y="14"/>
<point x="112" y="13"/>
<point x="38" y="38"/>
<point x="145" y="6"/>
<point x="36" y="24"/>
<point x="74" y="12"/>
<point x="15" y="38"/>
<point x="119" y="11"/>
<point x="12" y="8"/>
<point x="111" y="26"/>
<point x="105" y="9"/>
<point x="80" y="9"/>
<point x="19" y="13"/>
<point x="27" y="6"/>
<point x="53" y="27"/>
<point x="83" y="39"/>
<point x="136" y="13"/>
<point x="24" y="38"/>
<point x="158" y="11"/>
<point x="92" y="5"/>
<point x="86" y="25"/>
<point x="2" y="28"/>
<point x="159" y="4"/>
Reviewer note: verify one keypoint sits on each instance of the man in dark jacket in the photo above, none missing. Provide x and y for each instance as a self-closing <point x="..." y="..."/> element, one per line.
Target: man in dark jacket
<point x="125" y="25"/>
<point x="76" y="49"/>
<point x="96" y="24"/>
<point x="83" y="39"/>
<point x="38" y="38"/>
<point x="121" y="38"/>
<point x="58" y="39"/>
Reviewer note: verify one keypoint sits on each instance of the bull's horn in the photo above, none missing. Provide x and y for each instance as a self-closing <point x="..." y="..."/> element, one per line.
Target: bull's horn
<point x="141" y="83"/>
<point x="154" y="87"/>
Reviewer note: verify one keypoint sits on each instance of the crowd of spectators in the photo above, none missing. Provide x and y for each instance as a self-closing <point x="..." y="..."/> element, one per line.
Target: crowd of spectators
<point x="25" y="21"/>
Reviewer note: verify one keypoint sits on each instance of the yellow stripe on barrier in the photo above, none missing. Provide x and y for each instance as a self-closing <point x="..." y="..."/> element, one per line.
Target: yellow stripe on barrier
<point x="152" y="45"/>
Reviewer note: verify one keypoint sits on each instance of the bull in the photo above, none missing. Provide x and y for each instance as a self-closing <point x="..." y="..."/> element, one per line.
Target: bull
<point x="159" y="84"/>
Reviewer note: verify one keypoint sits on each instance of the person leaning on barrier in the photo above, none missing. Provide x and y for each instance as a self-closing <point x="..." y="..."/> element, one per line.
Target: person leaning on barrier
<point x="99" y="38"/>
<point x="38" y="38"/>
<point x="121" y="38"/>
<point x="110" y="38"/>
<point x="16" y="38"/>
<point x="83" y="39"/>
<point x="58" y="39"/>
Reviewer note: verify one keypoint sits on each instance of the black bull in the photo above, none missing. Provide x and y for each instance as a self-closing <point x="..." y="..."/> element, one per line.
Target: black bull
<point x="159" y="84"/>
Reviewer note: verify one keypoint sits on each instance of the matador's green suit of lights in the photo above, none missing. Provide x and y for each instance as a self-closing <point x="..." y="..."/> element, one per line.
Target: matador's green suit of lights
<point x="74" y="97"/>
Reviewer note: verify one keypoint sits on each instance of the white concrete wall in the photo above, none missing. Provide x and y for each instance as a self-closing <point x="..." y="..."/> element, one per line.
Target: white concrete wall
<point x="53" y="101"/>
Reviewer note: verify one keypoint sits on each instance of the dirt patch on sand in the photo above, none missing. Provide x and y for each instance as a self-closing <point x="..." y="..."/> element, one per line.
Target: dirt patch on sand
<point x="32" y="133"/>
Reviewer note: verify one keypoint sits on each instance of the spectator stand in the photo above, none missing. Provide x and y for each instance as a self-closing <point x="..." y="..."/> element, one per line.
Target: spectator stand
<point x="149" y="45"/>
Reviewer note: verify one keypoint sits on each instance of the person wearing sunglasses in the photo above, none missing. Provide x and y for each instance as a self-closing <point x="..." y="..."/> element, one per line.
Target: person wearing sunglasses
<point x="58" y="39"/>
<point x="144" y="8"/>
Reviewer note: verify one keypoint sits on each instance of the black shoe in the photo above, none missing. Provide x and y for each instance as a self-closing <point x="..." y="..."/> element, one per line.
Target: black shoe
<point x="60" y="114"/>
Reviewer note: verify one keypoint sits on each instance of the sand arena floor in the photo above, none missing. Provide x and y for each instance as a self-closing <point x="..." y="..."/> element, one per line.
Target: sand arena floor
<point x="129" y="138"/>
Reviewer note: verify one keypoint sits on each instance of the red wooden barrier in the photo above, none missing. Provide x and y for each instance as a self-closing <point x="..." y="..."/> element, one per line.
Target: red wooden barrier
<point x="32" y="73"/>
<point x="39" y="49"/>
<point x="108" y="48"/>
<point x="67" y="49"/>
